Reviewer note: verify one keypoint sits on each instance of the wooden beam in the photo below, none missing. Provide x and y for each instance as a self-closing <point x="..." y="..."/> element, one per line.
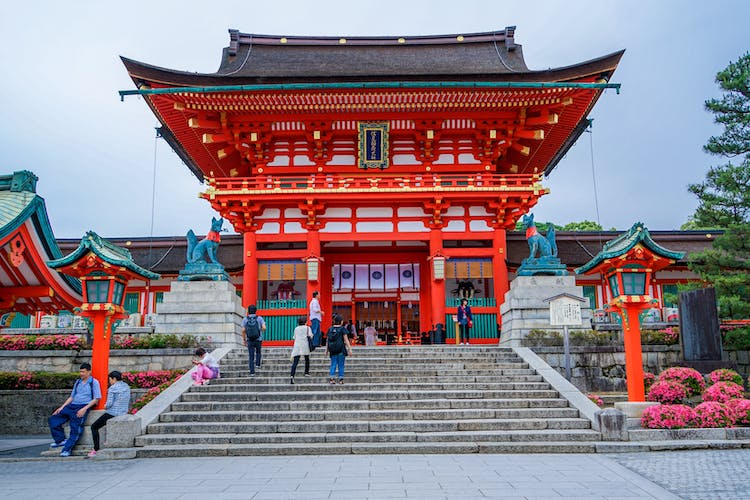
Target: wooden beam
<point x="203" y="123"/>
<point x="26" y="291"/>
<point x="530" y="134"/>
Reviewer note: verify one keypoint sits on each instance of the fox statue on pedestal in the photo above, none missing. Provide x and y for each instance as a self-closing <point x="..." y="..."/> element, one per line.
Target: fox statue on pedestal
<point x="197" y="250"/>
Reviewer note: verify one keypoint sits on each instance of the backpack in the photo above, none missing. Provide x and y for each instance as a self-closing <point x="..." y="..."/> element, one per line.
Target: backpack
<point x="336" y="340"/>
<point x="252" y="327"/>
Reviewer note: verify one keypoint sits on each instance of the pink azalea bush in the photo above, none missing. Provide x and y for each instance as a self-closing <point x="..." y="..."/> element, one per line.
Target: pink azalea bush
<point x="668" y="417"/>
<point x="689" y="378"/>
<point x="722" y="392"/>
<point x="724" y="375"/>
<point x="596" y="400"/>
<point x="153" y="392"/>
<point x="41" y="342"/>
<point x="741" y="410"/>
<point x="667" y="392"/>
<point x="648" y="379"/>
<point x="713" y="414"/>
<point x="151" y="378"/>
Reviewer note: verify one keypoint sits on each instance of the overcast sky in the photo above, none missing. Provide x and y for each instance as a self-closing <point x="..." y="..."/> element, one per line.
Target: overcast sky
<point x="94" y="155"/>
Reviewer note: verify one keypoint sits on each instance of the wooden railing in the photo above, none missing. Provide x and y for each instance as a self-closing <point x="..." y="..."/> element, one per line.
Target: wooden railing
<point x="375" y="181"/>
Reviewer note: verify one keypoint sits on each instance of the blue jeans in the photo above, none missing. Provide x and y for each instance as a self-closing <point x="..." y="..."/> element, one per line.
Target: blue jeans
<point x="337" y="363"/>
<point x="315" y="327"/>
<point x="253" y="354"/>
<point x="464" y="332"/>
<point x="56" y="422"/>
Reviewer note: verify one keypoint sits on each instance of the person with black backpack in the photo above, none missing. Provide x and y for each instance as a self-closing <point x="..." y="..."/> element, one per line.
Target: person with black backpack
<point x="253" y="327"/>
<point x="338" y="347"/>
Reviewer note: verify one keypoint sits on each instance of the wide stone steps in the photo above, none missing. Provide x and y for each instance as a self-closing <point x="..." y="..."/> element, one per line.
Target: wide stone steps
<point x="361" y="405"/>
<point x="480" y="424"/>
<point x="370" y="437"/>
<point x="446" y="399"/>
<point x="331" y="393"/>
<point x="346" y="415"/>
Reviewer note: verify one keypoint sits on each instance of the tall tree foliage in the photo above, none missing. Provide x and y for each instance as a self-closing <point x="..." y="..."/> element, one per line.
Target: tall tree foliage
<point x="724" y="197"/>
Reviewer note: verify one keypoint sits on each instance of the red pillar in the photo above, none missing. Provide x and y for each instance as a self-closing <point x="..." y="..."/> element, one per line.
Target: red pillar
<point x="633" y="353"/>
<point x="313" y="249"/>
<point x="250" y="270"/>
<point x="500" y="280"/>
<point x="438" y="286"/>
<point x="102" y="327"/>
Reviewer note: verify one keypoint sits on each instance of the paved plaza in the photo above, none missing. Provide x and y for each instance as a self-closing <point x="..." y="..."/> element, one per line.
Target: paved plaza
<point x="701" y="474"/>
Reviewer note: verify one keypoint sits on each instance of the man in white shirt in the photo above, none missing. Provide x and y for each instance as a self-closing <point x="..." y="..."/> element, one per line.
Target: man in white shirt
<point x="316" y="314"/>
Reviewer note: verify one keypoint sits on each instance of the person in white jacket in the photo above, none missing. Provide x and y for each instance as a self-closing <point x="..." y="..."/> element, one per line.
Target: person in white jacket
<point x="118" y="402"/>
<point x="302" y="339"/>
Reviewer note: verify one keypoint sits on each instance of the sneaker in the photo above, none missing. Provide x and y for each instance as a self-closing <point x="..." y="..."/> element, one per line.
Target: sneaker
<point x="205" y="382"/>
<point x="252" y="374"/>
<point x="91" y="454"/>
<point x="332" y="380"/>
<point x="307" y="374"/>
<point x="341" y="381"/>
<point x="57" y="445"/>
<point x="64" y="453"/>
<point x="291" y="380"/>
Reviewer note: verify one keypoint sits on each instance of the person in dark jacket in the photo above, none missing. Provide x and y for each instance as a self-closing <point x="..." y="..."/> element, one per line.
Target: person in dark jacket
<point x="338" y="347"/>
<point x="464" y="320"/>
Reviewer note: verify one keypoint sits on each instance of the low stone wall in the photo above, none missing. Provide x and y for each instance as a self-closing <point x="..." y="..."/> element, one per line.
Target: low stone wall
<point x="124" y="360"/>
<point x="602" y="368"/>
<point x="26" y="412"/>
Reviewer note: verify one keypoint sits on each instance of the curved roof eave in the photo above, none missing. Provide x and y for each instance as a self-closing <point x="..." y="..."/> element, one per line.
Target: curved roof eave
<point x="143" y="73"/>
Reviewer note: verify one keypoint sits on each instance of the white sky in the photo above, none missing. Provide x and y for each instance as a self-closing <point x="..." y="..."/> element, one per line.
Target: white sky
<point x="94" y="155"/>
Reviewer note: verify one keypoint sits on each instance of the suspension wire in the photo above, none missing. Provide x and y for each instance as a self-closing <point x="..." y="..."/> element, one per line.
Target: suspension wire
<point x="590" y="131"/>
<point x="153" y="196"/>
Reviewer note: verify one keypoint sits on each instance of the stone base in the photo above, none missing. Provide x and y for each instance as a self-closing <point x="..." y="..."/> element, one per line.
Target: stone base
<point x="525" y="308"/>
<point x="634" y="409"/>
<point x="203" y="271"/>
<point x="204" y="309"/>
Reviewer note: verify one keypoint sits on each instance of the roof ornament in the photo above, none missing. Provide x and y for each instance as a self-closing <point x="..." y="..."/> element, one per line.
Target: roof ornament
<point x="497" y="50"/>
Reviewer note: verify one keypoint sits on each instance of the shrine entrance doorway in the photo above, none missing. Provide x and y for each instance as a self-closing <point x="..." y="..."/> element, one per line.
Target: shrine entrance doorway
<point x="386" y="296"/>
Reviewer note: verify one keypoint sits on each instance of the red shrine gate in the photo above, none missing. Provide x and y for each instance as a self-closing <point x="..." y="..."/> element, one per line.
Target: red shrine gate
<point x="383" y="172"/>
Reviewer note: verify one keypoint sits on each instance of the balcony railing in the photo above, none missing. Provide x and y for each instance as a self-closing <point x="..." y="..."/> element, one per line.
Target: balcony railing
<point x="374" y="182"/>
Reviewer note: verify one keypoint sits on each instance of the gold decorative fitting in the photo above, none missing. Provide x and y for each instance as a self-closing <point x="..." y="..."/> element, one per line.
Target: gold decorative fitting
<point x="493" y="134"/>
<point x="253" y="136"/>
<point x="430" y="134"/>
<point x="316" y="135"/>
<point x="260" y="170"/>
<point x="320" y="169"/>
<point x="460" y="38"/>
<point x="283" y="40"/>
<point x="428" y="168"/>
<point x="342" y="41"/>
<point x="401" y="40"/>
<point x="486" y="167"/>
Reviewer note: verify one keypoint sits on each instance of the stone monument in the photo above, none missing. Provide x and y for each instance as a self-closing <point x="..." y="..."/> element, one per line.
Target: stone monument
<point x="540" y="276"/>
<point x="203" y="301"/>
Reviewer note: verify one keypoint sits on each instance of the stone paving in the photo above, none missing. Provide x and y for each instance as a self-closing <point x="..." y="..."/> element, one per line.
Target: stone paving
<point x="463" y="477"/>
<point x="699" y="475"/>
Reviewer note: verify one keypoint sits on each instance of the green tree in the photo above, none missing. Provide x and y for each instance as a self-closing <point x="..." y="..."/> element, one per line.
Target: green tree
<point x="584" y="225"/>
<point x="724" y="197"/>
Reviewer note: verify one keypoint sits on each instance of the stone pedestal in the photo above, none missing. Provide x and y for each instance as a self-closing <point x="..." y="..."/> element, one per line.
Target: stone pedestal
<point x="524" y="308"/>
<point x="202" y="308"/>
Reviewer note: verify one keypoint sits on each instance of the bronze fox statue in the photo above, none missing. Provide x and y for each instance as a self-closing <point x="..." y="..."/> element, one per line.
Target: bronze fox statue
<point x="197" y="250"/>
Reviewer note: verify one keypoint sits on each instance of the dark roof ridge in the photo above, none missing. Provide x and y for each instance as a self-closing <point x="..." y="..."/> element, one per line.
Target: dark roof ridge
<point x="505" y="35"/>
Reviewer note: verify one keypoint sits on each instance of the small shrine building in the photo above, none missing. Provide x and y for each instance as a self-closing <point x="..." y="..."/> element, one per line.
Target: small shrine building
<point x="383" y="172"/>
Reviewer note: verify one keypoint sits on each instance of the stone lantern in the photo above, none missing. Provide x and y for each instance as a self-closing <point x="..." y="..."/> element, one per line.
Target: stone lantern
<point x="104" y="270"/>
<point x="628" y="263"/>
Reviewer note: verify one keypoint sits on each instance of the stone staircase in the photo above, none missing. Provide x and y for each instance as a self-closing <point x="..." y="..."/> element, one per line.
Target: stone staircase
<point x="430" y="399"/>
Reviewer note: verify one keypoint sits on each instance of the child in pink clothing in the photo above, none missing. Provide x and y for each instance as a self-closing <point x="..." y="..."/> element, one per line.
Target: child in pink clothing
<point x="207" y="367"/>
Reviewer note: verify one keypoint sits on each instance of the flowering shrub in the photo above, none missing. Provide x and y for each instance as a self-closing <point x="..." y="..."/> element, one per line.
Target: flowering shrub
<point x="725" y="375"/>
<point x="667" y="392"/>
<point x="691" y="379"/>
<point x="41" y="342"/>
<point x="667" y="417"/>
<point x="159" y="341"/>
<point x="741" y="410"/>
<point x="150" y="379"/>
<point x="648" y="380"/>
<point x="713" y="414"/>
<point x="152" y="393"/>
<point x="596" y="400"/>
<point x="722" y="392"/>
<point x="37" y="380"/>
<point x="667" y="336"/>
